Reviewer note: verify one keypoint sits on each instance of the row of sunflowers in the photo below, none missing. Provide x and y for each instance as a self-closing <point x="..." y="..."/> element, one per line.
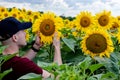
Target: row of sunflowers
<point x="87" y="42"/>
<point x="95" y="41"/>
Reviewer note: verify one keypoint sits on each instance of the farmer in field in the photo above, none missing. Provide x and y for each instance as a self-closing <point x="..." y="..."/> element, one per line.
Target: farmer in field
<point x="13" y="36"/>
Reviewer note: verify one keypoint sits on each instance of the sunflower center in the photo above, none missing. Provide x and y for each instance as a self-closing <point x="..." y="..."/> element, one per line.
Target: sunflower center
<point x="14" y="15"/>
<point x="96" y="43"/>
<point x="103" y="20"/>
<point x="2" y="10"/>
<point x="47" y="27"/>
<point x="29" y="13"/>
<point x="115" y="25"/>
<point x="35" y="17"/>
<point x="5" y="14"/>
<point x="85" y="21"/>
<point x="119" y="18"/>
<point x="20" y="17"/>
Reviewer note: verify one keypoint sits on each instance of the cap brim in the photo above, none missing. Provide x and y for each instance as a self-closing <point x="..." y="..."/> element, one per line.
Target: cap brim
<point x="25" y="25"/>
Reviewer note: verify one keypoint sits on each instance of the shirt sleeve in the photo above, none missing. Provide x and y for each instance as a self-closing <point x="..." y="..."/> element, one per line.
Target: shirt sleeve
<point x="21" y="66"/>
<point x="24" y="65"/>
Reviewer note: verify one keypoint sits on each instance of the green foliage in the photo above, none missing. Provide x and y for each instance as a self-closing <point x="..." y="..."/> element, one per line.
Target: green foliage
<point x="31" y="76"/>
<point x="70" y="43"/>
<point x="76" y="65"/>
<point x="84" y="70"/>
<point x="4" y="58"/>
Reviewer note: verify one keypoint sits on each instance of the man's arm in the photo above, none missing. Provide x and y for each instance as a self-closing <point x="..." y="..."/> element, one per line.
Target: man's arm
<point x="30" y="54"/>
<point x="57" y="55"/>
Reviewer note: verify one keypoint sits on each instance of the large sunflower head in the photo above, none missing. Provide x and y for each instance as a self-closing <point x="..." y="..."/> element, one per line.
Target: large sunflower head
<point x="97" y="42"/>
<point x="84" y="20"/>
<point x="104" y="19"/>
<point x="47" y="25"/>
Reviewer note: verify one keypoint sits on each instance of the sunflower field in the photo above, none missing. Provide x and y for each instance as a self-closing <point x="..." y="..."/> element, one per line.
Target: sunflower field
<point x="90" y="44"/>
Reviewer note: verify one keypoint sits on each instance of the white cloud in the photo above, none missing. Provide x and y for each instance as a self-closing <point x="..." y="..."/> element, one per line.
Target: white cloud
<point x="18" y="5"/>
<point x="66" y="7"/>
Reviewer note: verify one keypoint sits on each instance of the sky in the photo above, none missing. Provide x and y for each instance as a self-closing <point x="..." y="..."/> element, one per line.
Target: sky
<point x="65" y="7"/>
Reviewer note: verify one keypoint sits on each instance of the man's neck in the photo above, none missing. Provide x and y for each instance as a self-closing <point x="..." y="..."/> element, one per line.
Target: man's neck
<point x="11" y="50"/>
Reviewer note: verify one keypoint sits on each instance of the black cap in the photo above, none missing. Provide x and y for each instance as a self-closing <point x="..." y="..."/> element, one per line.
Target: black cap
<point x="9" y="26"/>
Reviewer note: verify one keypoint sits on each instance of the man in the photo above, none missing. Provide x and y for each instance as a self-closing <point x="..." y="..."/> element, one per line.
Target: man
<point x="13" y="36"/>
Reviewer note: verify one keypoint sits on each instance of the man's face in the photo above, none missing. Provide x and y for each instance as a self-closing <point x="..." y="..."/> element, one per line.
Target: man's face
<point x="21" y="38"/>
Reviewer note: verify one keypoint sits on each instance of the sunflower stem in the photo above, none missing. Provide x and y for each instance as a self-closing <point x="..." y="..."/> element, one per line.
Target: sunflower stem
<point x="51" y="52"/>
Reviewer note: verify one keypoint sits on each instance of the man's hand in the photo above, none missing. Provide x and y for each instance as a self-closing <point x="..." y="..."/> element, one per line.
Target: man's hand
<point x="37" y="44"/>
<point x="35" y="48"/>
<point x="56" y="40"/>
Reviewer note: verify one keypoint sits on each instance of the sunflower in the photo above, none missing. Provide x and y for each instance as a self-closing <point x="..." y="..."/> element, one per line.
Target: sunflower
<point x="0" y="17"/>
<point x="115" y="25"/>
<point x="22" y="17"/>
<point x="74" y="33"/>
<point x="3" y="9"/>
<point x="5" y="14"/>
<point x="118" y="17"/>
<point x="104" y="19"/>
<point x="29" y="12"/>
<point x="14" y="12"/>
<point x="72" y="24"/>
<point x="84" y="21"/>
<point x="66" y="23"/>
<point x="47" y="24"/>
<point x="23" y="10"/>
<point x="36" y="15"/>
<point x="27" y="35"/>
<point x="97" y="42"/>
<point x="118" y="35"/>
<point x="29" y="19"/>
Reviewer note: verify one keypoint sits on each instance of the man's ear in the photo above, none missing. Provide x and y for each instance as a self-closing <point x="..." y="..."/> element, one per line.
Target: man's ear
<point x="15" y="38"/>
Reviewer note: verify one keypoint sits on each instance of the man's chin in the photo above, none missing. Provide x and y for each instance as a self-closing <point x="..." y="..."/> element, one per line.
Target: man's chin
<point x="23" y="45"/>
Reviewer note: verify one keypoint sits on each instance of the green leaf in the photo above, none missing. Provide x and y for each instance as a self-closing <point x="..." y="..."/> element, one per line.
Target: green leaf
<point x="31" y="76"/>
<point x="85" y="63"/>
<point x="43" y="64"/>
<point x="108" y="75"/>
<point x="91" y="78"/>
<point x="4" y="73"/>
<point x="70" y="43"/>
<point x="109" y="65"/>
<point x="2" y="48"/>
<point x="98" y="76"/>
<point x="95" y="67"/>
<point x="4" y="58"/>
